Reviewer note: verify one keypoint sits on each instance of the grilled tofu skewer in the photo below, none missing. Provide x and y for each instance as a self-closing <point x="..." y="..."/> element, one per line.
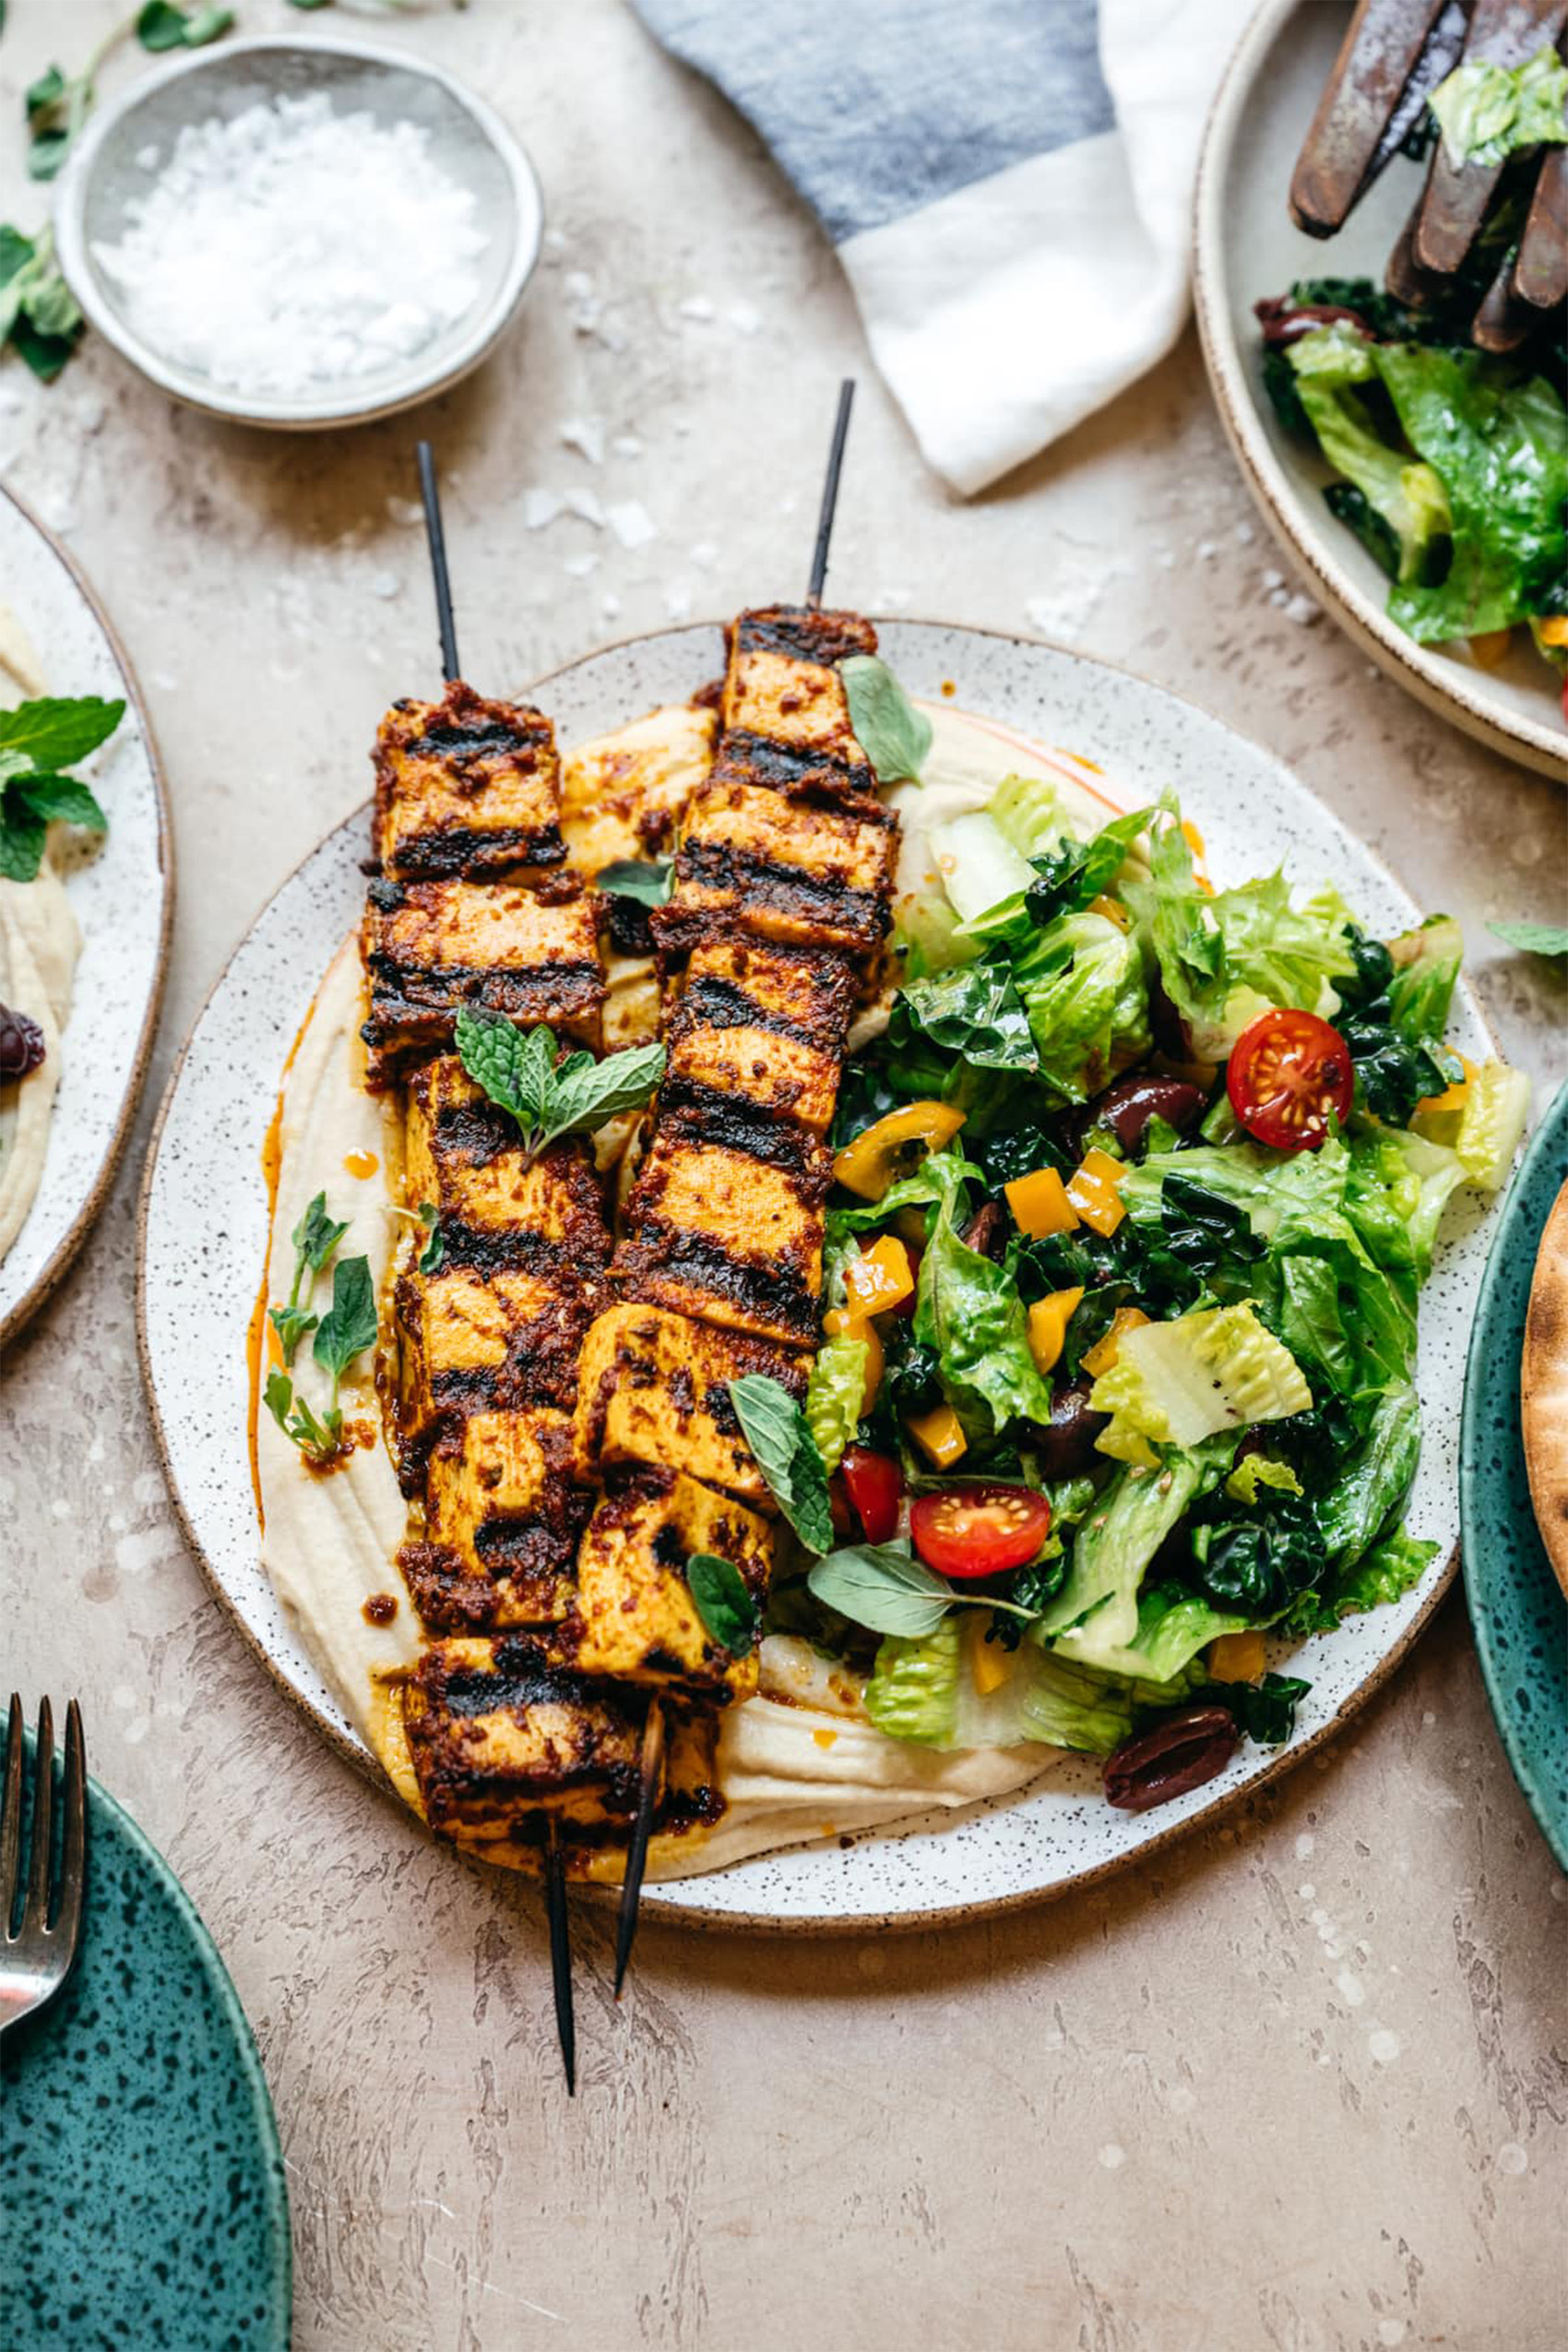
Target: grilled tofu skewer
<point x="509" y="778"/>
<point x="739" y="1069"/>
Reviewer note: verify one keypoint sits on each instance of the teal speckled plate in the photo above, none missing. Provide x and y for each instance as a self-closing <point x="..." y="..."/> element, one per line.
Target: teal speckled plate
<point x="1518" y="1612"/>
<point x="144" y="2192"/>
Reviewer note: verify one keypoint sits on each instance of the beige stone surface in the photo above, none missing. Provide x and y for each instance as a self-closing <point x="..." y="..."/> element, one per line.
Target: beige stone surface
<point x="1300" y="2086"/>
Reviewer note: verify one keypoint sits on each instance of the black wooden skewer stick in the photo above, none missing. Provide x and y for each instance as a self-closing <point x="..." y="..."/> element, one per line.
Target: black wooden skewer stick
<point x="555" y="1865"/>
<point x="431" y="498"/>
<point x="636" y="1850"/>
<point x="560" y="1951"/>
<point x="830" y="492"/>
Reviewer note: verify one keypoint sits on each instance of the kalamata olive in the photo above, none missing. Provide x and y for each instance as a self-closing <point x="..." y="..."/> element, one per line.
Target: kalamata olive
<point x="22" y="1043"/>
<point x="1168" y="1030"/>
<point x="987" y="1228"/>
<point x="1181" y="1753"/>
<point x="1284" y="321"/>
<point x="1066" y="1444"/>
<point x="1128" y="1106"/>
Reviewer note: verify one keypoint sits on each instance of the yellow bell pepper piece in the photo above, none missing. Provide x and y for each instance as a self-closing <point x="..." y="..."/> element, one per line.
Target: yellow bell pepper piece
<point x="1041" y="1206"/>
<point x="1103" y="1354"/>
<point x="1114" y="912"/>
<point x="880" y="1278"/>
<point x="894" y="1147"/>
<point x="1049" y="1319"/>
<point x="1491" y="650"/>
<point x="1194" y="838"/>
<point x="1553" y="630"/>
<point x="991" y="1665"/>
<point x="1451" y="1098"/>
<point x="1093" y="1193"/>
<point x="939" y="1434"/>
<point x="841" y="1323"/>
<point x="1237" y="1657"/>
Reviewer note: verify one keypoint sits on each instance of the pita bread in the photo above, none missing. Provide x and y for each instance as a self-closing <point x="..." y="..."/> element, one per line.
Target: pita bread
<point x="1543" y="1398"/>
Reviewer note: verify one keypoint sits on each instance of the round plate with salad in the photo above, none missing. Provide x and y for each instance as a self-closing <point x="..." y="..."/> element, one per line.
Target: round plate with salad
<point x="1123" y="1470"/>
<point x="1422" y="483"/>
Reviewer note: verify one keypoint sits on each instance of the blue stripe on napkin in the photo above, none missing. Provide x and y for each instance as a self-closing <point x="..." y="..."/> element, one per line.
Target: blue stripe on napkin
<point x="877" y="108"/>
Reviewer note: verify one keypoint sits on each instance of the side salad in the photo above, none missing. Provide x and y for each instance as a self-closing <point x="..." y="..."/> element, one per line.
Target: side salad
<point x="1133" y="1199"/>
<point x="1451" y="465"/>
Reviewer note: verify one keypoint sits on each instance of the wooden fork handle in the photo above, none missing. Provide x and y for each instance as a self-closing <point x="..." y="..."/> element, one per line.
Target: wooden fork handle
<point x="1376" y="58"/>
<point x="1540" y="274"/>
<point x="1503" y="32"/>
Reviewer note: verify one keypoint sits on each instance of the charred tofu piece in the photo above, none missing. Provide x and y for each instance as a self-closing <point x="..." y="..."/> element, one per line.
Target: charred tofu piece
<point x="639" y="1622"/>
<point x="501" y="1522"/>
<point x="623" y="795"/>
<point x="715" y="1231"/>
<point x="464" y="786"/>
<point x="797" y="992"/>
<point x="785" y="711"/>
<point x="495" y="1208"/>
<point x="713" y="1065"/>
<point x="772" y="865"/>
<point x="654" y="1389"/>
<point x="429" y="947"/>
<point x="505" y="1725"/>
<point x="484" y="1343"/>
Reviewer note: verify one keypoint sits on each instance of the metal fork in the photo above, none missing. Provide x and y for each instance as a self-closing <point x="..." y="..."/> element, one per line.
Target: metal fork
<point x="37" y="1952"/>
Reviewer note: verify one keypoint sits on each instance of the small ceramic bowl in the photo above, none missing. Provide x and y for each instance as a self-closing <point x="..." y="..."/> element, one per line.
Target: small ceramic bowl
<point x="1247" y="246"/>
<point x="120" y="153"/>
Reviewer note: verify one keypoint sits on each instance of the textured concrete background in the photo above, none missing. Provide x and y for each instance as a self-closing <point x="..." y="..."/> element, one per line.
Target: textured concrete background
<point x="1300" y="2086"/>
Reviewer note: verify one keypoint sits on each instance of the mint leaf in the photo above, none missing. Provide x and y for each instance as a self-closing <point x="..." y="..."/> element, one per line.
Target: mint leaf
<point x="776" y="1431"/>
<point x="316" y="1236"/>
<point x="587" y="1092"/>
<point x="893" y="734"/>
<point x="1534" y="939"/>
<point x="52" y="797"/>
<point x="44" y="93"/>
<point x="347" y="1327"/>
<point x="649" y="882"/>
<point x="434" y="1254"/>
<point x="723" y="1600"/>
<point x="514" y="1067"/>
<point x="22" y="837"/>
<point x="277" y="1396"/>
<point x="56" y="731"/>
<point x="291" y="1324"/>
<point x="876" y="1585"/>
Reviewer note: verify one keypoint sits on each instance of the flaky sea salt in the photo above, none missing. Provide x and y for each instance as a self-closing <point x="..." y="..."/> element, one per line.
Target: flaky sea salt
<point x="289" y="247"/>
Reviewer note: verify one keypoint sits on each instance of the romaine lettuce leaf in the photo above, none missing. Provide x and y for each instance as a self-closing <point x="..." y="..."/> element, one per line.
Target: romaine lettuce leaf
<point x="924" y="1691"/>
<point x="940" y="1176"/>
<point x="1399" y="1186"/>
<point x="1488" y="111"/>
<point x="1119" y="1539"/>
<point x="1497" y="1102"/>
<point x="1173" y="1626"/>
<point x="1081" y="981"/>
<point x="833" y="1397"/>
<point x="1385" y="1573"/>
<point x="1500" y="446"/>
<point x="979" y="868"/>
<point x="1407" y="498"/>
<point x="1176" y="1383"/>
<point x="974" y="1011"/>
<point x="1370" y="1490"/>
<point x="969" y="1309"/>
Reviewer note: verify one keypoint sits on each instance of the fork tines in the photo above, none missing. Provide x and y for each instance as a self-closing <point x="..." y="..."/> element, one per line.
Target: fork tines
<point x="1385" y="45"/>
<point x="38" y="1948"/>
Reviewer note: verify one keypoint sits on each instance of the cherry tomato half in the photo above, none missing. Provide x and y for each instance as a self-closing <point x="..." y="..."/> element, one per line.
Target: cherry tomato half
<point x="1288" y="1074"/>
<point x="875" y="1485"/>
<point x="979" y="1530"/>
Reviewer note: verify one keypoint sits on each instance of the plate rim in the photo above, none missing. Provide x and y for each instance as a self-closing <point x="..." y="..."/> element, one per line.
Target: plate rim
<point x="1549" y="1135"/>
<point x="1440" y="684"/>
<point x="58" y="1263"/>
<point x="655" y="1906"/>
<point x="220" y="1984"/>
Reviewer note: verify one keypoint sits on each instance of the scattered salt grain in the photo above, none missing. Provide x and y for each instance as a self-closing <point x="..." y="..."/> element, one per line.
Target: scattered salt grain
<point x="146" y="157"/>
<point x="677" y="600"/>
<point x="1511" y="2158"/>
<point x="404" y="512"/>
<point x="386" y="585"/>
<point x="626" y="445"/>
<point x="631" y="523"/>
<point x="585" y="504"/>
<point x="542" y="506"/>
<point x="579" y="566"/>
<point x="704" y="555"/>
<point x="743" y="318"/>
<point x="697" y="307"/>
<point x="1112" y="2157"/>
<point x="1301" y="610"/>
<point x="289" y="247"/>
<point x="611" y="607"/>
<point x="1383" y="2047"/>
<point x="585" y="435"/>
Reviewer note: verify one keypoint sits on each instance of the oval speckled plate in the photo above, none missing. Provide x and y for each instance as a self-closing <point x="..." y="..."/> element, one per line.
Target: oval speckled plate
<point x="204" y="1177"/>
<point x="124" y="898"/>
<point x="1516" y="1605"/>
<point x="1246" y="247"/>
<point x="145" y="2195"/>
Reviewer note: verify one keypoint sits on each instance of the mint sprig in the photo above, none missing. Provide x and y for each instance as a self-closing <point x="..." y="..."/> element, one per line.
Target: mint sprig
<point x="347" y="1329"/>
<point x="314" y="1237"/>
<point x="37" y="741"/>
<point x="519" y="1072"/>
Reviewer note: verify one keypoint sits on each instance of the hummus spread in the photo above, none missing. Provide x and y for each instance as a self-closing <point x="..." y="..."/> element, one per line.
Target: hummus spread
<point x="40" y="942"/>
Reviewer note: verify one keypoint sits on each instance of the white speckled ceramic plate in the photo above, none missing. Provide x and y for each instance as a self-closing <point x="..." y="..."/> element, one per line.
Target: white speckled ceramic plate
<point x="124" y="897"/>
<point x="204" y="1181"/>
<point x="1247" y="246"/>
